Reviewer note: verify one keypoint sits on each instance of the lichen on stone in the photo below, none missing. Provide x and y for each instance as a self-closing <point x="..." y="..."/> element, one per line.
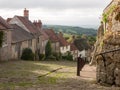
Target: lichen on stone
<point x="108" y="68"/>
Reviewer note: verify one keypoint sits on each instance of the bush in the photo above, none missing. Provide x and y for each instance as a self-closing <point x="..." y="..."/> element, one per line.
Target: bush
<point x="48" y="49"/>
<point x="60" y="55"/>
<point x="27" y="54"/>
<point x="57" y="55"/>
<point x="68" y="56"/>
<point x="105" y="18"/>
<point x="64" y="57"/>
<point x="41" y="56"/>
<point x="51" y="57"/>
<point x="66" y="38"/>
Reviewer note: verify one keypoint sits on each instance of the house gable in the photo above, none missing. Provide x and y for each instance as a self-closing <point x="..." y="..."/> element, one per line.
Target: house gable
<point x="15" y="20"/>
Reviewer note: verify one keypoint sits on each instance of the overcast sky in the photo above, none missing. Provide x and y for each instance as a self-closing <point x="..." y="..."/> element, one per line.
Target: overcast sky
<point x="57" y="12"/>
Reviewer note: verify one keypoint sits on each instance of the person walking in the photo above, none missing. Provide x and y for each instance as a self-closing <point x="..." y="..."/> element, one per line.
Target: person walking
<point x="80" y="64"/>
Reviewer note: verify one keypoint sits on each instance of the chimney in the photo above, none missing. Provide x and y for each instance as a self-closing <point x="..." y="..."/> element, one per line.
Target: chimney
<point x="38" y="24"/>
<point x="60" y="33"/>
<point x="26" y="13"/>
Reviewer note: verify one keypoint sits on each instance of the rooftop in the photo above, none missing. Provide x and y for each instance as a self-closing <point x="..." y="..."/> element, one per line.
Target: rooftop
<point x="73" y="47"/>
<point x="19" y="34"/>
<point x="62" y="40"/>
<point x="28" y="24"/>
<point x="52" y="35"/>
<point x="4" y="24"/>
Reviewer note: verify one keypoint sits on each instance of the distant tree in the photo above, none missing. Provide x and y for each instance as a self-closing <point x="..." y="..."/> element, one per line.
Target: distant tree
<point x="1" y="38"/>
<point x="79" y="36"/>
<point x="48" y="49"/>
<point x="66" y="38"/>
<point x="84" y="36"/>
<point x="92" y="40"/>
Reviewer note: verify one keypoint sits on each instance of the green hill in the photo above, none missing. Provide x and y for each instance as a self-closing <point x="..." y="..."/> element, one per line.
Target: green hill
<point x="72" y="30"/>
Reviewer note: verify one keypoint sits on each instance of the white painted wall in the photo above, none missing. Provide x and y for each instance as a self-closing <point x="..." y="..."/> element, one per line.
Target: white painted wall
<point x="64" y="49"/>
<point x="75" y="54"/>
<point x="83" y="53"/>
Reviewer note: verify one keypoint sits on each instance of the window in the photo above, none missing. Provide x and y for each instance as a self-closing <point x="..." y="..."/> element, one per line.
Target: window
<point x="38" y="40"/>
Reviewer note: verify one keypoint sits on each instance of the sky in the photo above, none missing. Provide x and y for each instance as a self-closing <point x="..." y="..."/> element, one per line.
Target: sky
<point x="57" y="12"/>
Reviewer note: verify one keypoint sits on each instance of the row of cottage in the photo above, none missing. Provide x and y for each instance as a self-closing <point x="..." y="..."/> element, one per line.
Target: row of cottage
<point x="20" y="33"/>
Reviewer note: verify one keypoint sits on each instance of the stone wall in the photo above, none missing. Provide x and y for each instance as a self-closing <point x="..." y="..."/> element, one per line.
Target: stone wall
<point x="55" y="47"/>
<point x="5" y="50"/>
<point x="108" y="65"/>
<point x="18" y="47"/>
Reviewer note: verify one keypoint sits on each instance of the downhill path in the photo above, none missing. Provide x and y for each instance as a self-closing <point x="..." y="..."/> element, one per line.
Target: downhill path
<point x="47" y="75"/>
<point x="88" y="72"/>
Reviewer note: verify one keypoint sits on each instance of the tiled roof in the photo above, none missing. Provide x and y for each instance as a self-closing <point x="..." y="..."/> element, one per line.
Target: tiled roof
<point x="8" y="19"/>
<point x="62" y="40"/>
<point x="19" y="34"/>
<point x="81" y="44"/>
<point x="44" y="35"/>
<point x="4" y="24"/>
<point x="52" y="35"/>
<point x="73" y="47"/>
<point x="38" y="25"/>
<point x="28" y="24"/>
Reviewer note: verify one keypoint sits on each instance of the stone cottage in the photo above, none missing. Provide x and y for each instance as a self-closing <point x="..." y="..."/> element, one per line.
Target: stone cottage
<point x="44" y="36"/>
<point x="64" y="45"/>
<point x="26" y="24"/>
<point x="21" y="39"/>
<point x="54" y="40"/>
<point x="5" y="50"/>
<point x="83" y="47"/>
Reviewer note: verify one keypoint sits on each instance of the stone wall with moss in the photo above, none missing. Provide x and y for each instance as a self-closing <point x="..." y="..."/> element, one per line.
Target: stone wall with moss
<point x="108" y="67"/>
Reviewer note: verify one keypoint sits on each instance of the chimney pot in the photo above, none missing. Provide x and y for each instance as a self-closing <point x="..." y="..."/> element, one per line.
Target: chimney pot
<point x="26" y="13"/>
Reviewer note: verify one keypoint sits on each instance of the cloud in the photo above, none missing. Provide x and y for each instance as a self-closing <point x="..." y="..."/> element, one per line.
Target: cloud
<point x="63" y="12"/>
<point x="68" y="17"/>
<point x="52" y="4"/>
